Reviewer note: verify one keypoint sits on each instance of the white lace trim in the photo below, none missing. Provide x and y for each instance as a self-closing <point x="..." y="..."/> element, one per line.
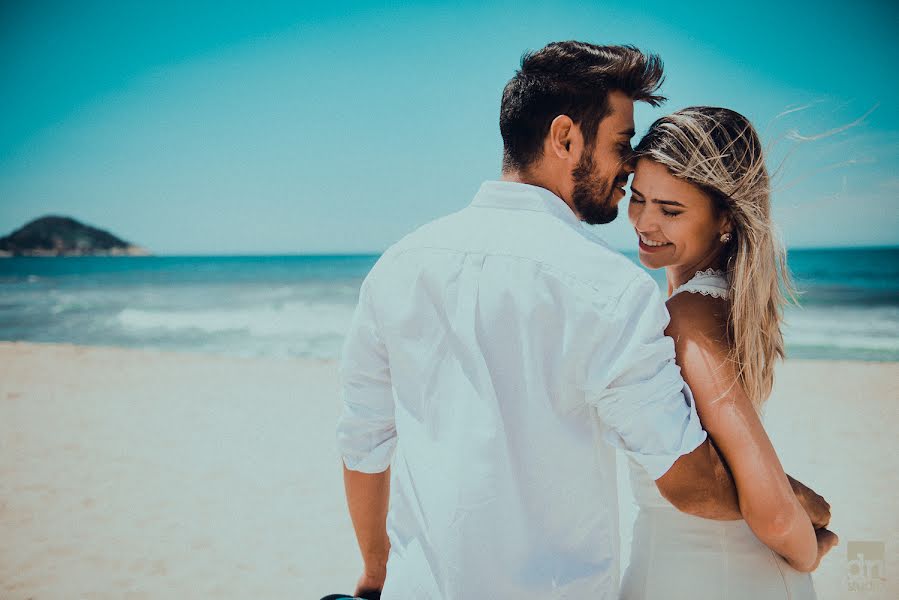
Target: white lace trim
<point x="708" y="272"/>
<point x="711" y="282"/>
<point x="710" y="291"/>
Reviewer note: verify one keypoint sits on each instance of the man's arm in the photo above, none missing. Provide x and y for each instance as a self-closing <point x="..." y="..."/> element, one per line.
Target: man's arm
<point x="701" y="484"/>
<point x="646" y="410"/>
<point x="367" y="497"/>
<point x="718" y="500"/>
<point x="366" y="437"/>
<point x="720" y="508"/>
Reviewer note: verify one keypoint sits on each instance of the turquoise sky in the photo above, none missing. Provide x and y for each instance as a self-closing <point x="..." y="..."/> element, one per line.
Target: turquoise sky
<point x="210" y="128"/>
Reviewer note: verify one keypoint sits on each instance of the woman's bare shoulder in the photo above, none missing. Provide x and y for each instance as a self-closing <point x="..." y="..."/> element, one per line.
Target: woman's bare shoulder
<point x="698" y="327"/>
<point x="698" y="318"/>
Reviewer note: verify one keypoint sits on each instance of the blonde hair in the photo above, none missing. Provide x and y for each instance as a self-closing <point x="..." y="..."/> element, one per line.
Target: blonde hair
<point x="719" y="150"/>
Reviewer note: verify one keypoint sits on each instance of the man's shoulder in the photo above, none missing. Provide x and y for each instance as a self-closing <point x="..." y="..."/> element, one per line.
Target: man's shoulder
<point x="571" y="252"/>
<point x="427" y="234"/>
<point x="431" y="233"/>
<point x="424" y="236"/>
<point x="596" y="263"/>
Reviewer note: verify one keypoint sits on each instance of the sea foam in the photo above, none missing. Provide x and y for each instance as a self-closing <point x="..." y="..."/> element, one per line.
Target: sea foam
<point x="290" y="318"/>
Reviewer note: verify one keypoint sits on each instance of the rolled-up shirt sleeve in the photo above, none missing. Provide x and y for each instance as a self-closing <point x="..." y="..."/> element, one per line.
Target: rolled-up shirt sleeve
<point x="643" y="405"/>
<point x="366" y="431"/>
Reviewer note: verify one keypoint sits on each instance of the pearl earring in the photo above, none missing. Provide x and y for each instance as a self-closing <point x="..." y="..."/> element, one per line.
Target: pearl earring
<point x="725" y="237"/>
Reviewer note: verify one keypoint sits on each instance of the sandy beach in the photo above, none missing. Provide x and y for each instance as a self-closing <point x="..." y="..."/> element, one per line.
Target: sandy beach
<point x="130" y="474"/>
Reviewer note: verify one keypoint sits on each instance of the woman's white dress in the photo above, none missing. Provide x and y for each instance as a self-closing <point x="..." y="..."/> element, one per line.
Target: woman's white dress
<point x="675" y="555"/>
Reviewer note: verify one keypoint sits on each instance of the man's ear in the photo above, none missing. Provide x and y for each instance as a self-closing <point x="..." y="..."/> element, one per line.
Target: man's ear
<point x="564" y="138"/>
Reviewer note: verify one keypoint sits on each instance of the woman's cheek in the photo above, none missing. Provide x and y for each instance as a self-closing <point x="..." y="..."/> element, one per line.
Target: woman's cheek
<point x="632" y="212"/>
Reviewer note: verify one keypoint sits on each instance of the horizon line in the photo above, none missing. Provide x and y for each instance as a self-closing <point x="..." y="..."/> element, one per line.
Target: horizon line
<point x="379" y="253"/>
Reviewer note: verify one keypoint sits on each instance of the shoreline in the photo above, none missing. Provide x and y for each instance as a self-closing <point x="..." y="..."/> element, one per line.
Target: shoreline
<point x="9" y="344"/>
<point x="135" y="473"/>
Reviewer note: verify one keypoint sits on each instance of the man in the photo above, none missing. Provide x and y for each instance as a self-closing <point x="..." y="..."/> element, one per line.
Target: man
<point x="500" y="355"/>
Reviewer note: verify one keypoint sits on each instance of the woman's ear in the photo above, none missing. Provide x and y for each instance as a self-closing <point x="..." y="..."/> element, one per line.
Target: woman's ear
<point x="726" y="230"/>
<point x="725" y="224"/>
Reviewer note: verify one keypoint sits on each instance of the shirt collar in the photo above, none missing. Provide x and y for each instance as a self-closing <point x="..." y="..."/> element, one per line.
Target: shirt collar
<point x="512" y="195"/>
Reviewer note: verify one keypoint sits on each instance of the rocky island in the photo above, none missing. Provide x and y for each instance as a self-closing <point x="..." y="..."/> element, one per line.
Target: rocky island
<point x="63" y="236"/>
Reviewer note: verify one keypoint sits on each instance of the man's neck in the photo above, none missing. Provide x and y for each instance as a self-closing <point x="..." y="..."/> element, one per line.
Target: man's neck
<point x="531" y="178"/>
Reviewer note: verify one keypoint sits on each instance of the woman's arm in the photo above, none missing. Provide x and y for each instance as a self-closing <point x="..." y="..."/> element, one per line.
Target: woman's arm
<point x="766" y="498"/>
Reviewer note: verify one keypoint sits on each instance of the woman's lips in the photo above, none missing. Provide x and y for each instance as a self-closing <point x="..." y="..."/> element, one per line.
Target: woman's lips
<point x="646" y="248"/>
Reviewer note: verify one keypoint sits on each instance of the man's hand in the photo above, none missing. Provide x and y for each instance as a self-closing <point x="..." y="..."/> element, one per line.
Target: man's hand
<point x="815" y="506"/>
<point x="826" y="540"/>
<point x="370" y="582"/>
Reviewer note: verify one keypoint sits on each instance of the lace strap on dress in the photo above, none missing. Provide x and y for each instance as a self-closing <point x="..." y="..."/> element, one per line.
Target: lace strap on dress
<point x="711" y="282"/>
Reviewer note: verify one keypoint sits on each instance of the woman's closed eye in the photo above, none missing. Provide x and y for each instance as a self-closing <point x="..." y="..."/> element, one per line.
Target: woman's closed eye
<point x="638" y="199"/>
<point x="668" y="213"/>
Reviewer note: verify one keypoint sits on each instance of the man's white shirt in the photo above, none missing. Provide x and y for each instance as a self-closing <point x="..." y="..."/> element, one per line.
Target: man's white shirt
<point x="496" y="360"/>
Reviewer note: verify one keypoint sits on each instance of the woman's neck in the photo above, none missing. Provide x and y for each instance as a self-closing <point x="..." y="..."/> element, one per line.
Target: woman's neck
<point x="678" y="275"/>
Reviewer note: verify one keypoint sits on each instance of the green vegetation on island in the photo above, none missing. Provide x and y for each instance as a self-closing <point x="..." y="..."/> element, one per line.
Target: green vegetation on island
<point x="63" y="236"/>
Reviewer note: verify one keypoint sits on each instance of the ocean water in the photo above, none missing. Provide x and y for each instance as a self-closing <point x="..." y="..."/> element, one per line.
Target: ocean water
<point x="300" y="306"/>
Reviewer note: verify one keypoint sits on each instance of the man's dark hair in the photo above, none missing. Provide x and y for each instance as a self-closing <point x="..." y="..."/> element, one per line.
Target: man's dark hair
<point x="574" y="79"/>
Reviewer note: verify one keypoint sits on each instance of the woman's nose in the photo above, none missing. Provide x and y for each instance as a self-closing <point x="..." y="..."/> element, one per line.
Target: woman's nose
<point x="643" y="221"/>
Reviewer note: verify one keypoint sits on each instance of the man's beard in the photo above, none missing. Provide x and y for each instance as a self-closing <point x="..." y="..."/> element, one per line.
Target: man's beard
<point x="592" y="196"/>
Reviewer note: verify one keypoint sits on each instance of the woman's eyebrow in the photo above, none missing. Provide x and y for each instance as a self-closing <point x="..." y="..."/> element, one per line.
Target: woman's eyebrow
<point x="657" y="201"/>
<point x="669" y="202"/>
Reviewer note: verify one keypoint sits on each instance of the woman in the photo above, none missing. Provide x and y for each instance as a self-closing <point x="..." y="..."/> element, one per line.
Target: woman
<point x="700" y="207"/>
